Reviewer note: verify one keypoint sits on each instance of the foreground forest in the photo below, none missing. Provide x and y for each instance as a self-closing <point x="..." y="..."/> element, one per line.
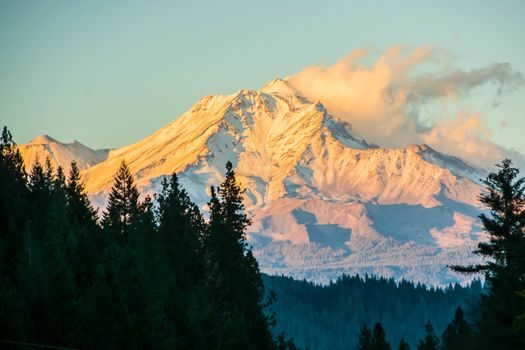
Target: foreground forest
<point x="142" y="275"/>
<point x="158" y="274"/>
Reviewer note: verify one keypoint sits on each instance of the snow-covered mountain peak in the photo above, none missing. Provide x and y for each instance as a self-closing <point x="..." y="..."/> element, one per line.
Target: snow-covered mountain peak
<point x="274" y="137"/>
<point x="42" y="139"/>
<point x="60" y="154"/>
<point x="279" y="86"/>
<point x="311" y="184"/>
<point x="248" y="127"/>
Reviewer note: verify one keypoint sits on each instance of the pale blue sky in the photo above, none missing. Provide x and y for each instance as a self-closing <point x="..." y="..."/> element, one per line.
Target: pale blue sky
<point x="108" y="73"/>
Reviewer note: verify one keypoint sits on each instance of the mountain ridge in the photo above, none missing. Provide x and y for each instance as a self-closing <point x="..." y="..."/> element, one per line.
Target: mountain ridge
<point x="323" y="201"/>
<point x="60" y="154"/>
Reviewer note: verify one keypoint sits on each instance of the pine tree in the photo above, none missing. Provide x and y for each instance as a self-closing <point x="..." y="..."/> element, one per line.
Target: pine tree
<point x="139" y="281"/>
<point x="61" y="321"/>
<point x="11" y="159"/>
<point x="430" y="341"/>
<point x="379" y="341"/>
<point x="49" y="172"/>
<point x="232" y="206"/>
<point x="235" y="271"/>
<point x="59" y="181"/>
<point x="365" y="339"/>
<point x="216" y="292"/>
<point x="40" y="185"/>
<point x="457" y="335"/>
<point x="226" y="239"/>
<point x="504" y="254"/>
<point x="79" y="207"/>
<point x="180" y="226"/>
<point x="123" y="208"/>
<point x="13" y="184"/>
<point x="84" y="235"/>
<point x="13" y="221"/>
<point x="403" y="345"/>
<point x="125" y="233"/>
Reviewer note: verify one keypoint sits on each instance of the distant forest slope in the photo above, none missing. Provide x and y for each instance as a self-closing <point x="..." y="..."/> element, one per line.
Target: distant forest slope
<point x="329" y="317"/>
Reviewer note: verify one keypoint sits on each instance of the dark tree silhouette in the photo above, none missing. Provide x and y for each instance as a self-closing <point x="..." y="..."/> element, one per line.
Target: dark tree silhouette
<point x="504" y="253"/>
<point x="123" y="206"/>
<point x="234" y="271"/>
<point x="458" y="334"/>
<point x="379" y="341"/>
<point x="403" y="345"/>
<point x="430" y="341"/>
<point x="365" y="338"/>
<point x="13" y="202"/>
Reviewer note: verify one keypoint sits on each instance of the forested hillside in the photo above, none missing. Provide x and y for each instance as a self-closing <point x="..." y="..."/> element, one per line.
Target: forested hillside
<point x="144" y="275"/>
<point x="330" y="317"/>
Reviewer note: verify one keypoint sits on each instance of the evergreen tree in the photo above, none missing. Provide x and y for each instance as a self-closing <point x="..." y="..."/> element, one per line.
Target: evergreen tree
<point x="40" y="186"/>
<point x="403" y="345"/>
<point x="13" y="221"/>
<point x="365" y="339"/>
<point x="430" y="341"/>
<point x="123" y="208"/>
<point x="457" y="335"/>
<point x="125" y="235"/>
<point x="379" y="341"/>
<point x="504" y="254"/>
<point x="31" y="270"/>
<point x="61" y="320"/>
<point x="50" y="172"/>
<point x="84" y="235"/>
<point x="234" y="271"/>
<point x="180" y="226"/>
<point x="79" y="207"/>
<point x="373" y="340"/>
<point x="13" y="184"/>
<point x="11" y="159"/>
<point x="140" y="280"/>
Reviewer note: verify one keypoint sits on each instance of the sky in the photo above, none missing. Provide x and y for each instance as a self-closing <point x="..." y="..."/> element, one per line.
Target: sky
<point x="109" y="73"/>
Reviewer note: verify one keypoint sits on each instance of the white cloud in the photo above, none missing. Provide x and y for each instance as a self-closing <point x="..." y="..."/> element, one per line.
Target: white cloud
<point x="383" y="100"/>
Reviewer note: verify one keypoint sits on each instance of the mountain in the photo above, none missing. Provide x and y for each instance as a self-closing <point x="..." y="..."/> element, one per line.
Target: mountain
<point x="323" y="201"/>
<point x="60" y="154"/>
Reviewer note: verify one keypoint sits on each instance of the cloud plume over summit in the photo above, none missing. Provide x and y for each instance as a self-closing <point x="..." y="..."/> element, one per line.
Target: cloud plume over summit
<point x="405" y="97"/>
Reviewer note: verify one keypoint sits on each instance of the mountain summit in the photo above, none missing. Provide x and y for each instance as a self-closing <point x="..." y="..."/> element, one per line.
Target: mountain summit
<point x="60" y="154"/>
<point x="323" y="200"/>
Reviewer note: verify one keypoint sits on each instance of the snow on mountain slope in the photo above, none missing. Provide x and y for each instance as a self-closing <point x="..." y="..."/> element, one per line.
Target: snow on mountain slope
<point x="60" y="154"/>
<point x="323" y="201"/>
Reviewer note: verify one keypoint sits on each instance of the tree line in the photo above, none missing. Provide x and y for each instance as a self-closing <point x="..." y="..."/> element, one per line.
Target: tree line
<point x="338" y="315"/>
<point x="144" y="275"/>
<point x="158" y="274"/>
